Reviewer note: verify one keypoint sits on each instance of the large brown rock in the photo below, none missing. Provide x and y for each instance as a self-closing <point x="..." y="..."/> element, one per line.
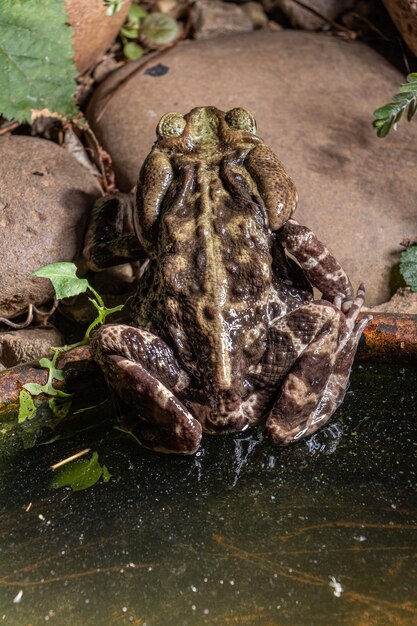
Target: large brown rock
<point x="45" y="197"/>
<point x="313" y="97"/>
<point x="21" y="346"/>
<point x="93" y="29"/>
<point x="404" y="16"/>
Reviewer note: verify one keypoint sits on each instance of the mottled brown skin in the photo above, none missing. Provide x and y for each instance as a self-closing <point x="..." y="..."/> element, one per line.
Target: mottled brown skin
<point x="225" y="329"/>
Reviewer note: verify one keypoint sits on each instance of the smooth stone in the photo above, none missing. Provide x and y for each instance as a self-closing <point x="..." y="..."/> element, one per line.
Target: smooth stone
<point x="22" y="346"/>
<point x="313" y="96"/>
<point x="45" y="198"/>
<point x="212" y="18"/>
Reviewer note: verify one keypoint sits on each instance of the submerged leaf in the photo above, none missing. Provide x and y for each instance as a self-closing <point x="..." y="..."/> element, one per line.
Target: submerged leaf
<point x="27" y="408"/>
<point x="60" y="406"/>
<point x="408" y="267"/>
<point x="36" y="67"/>
<point x="81" y="474"/>
<point x="64" y="279"/>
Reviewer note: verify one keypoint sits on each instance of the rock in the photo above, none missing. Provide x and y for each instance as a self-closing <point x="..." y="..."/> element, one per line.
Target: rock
<point x="213" y="18"/>
<point x="256" y="14"/>
<point x="403" y="301"/>
<point x="303" y="18"/>
<point x="45" y="198"/>
<point x="21" y="346"/>
<point x="404" y="16"/>
<point x="94" y="30"/>
<point x="312" y="96"/>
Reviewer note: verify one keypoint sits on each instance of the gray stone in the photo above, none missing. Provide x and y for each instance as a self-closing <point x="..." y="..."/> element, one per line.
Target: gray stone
<point x="313" y="97"/>
<point x="21" y="346"/>
<point x="45" y="197"/>
<point x="213" y="18"/>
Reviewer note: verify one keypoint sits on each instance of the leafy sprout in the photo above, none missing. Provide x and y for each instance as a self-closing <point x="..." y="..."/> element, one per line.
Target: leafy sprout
<point x="66" y="284"/>
<point x="406" y="100"/>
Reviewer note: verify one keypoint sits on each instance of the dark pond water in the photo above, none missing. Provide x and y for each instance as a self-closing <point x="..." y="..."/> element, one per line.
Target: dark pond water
<point x="323" y="532"/>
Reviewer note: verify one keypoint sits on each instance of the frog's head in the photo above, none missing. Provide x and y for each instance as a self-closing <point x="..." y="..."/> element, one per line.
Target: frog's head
<point x="205" y="128"/>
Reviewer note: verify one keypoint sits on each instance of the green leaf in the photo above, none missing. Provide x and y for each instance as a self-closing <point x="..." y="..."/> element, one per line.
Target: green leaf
<point x="64" y="279"/>
<point x="132" y="51"/>
<point x="158" y="30"/>
<point x="34" y="388"/>
<point x="27" y="408"/>
<point x="113" y="6"/>
<point x="60" y="406"/>
<point x="408" y="267"/>
<point x="406" y="100"/>
<point x="55" y="373"/>
<point x="81" y="474"/>
<point x="129" y="33"/>
<point x="36" y="68"/>
<point x="136" y="14"/>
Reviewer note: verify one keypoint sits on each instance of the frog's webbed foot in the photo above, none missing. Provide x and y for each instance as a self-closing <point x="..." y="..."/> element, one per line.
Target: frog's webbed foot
<point x="317" y="382"/>
<point x="143" y="371"/>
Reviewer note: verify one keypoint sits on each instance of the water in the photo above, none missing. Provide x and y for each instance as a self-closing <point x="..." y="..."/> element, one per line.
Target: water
<point x="323" y="532"/>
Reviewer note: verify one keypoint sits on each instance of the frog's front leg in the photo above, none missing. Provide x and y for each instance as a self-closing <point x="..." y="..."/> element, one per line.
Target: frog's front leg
<point x="144" y="372"/>
<point x="110" y="238"/>
<point x="321" y="342"/>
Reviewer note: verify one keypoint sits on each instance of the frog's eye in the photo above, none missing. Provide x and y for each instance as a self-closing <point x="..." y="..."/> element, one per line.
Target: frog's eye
<point x="240" y="119"/>
<point x="171" y="125"/>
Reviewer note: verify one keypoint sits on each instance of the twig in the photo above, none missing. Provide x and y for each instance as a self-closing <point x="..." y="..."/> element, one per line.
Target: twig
<point x="351" y="33"/>
<point x="8" y="128"/>
<point x="17" y="325"/>
<point x="371" y="26"/>
<point x="70" y="458"/>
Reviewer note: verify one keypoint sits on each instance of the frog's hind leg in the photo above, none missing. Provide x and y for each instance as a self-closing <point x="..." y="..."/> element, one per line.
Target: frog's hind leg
<point x="317" y="381"/>
<point x="144" y="372"/>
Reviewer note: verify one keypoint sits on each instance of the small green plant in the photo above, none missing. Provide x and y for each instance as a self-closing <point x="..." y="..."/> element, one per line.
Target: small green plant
<point x="36" y="67"/>
<point x="66" y="284"/>
<point x="406" y="100"/>
<point x="113" y="6"/>
<point x="154" y="30"/>
<point x="408" y="266"/>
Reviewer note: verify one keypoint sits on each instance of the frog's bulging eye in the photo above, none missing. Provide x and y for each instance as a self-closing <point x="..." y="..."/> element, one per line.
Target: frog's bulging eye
<point x="171" y="125"/>
<point x="240" y="119"/>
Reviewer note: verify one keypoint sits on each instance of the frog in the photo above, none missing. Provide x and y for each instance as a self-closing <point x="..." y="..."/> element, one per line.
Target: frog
<point x="225" y="331"/>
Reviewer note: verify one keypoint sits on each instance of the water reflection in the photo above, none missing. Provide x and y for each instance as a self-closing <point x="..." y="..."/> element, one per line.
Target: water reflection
<point x="323" y="532"/>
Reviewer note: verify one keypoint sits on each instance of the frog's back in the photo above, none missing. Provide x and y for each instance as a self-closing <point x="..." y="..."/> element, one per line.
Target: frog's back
<point x="211" y="268"/>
